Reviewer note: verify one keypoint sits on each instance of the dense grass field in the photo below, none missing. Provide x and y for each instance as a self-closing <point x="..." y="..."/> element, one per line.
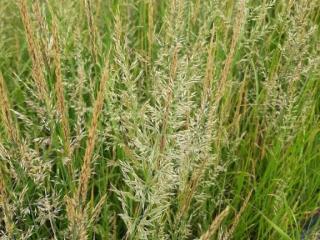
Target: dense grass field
<point x="160" y="119"/>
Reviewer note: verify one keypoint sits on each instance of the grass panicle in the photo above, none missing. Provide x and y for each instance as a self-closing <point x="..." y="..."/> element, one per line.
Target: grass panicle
<point x="154" y="119"/>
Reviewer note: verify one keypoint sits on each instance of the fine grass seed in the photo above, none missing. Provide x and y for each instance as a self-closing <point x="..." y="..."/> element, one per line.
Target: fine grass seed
<point x="149" y="119"/>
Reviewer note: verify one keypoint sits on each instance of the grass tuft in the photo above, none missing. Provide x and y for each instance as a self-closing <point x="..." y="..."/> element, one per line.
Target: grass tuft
<point x="173" y="119"/>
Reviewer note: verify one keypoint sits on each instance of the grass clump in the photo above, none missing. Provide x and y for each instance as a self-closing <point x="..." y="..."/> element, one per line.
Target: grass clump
<point x="174" y="119"/>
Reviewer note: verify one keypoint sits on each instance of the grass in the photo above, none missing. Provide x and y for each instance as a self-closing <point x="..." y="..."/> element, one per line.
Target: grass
<point x="145" y="119"/>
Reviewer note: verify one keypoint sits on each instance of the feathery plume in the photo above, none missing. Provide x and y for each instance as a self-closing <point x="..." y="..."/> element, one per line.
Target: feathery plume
<point x="93" y="32"/>
<point x="35" y="53"/>
<point x="61" y="106"/>
<point x="9" y="227"/>
<point x="206" y="86"/>
<point x="43" y="30"/>
<point x="86" y="166"/>
<point x="150" y="26"/>
<point x="240" y="17"/>
<point x="236" y="220"/>
<point x="196" y="11"/>
<point x="215" y="224"/>
<point x="7" y="119"/>
<point x="168" y="102"/>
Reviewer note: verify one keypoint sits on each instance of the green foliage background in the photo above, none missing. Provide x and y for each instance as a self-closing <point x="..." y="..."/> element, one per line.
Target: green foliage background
<point x="208" y="104"/>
